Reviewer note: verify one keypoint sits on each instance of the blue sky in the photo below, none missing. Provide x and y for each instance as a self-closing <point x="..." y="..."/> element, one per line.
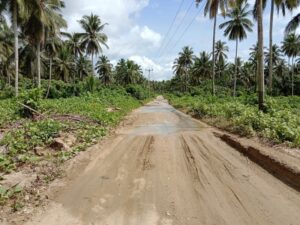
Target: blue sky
<point x="137" y="30"/>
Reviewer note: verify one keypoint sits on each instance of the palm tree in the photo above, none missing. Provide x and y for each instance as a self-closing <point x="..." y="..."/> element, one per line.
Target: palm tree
<point x="276" y="56"/>
<point x="280" y="4"/>
<point x="260" y="56"/>
<point x="221" y="56"/>
<point x="64" y="63"/>
<point x="83" y="67"/>
<point x="133" y="72"/>
<point x="6" y="50"/>
<point x="293" y="24"/>
<point x="183" y="64"/>
<point x="212" y="7"/>
<point x="220" y="51"/>
<point x="74" y="44"/>
<point x="52" y="45"/>
<point x="104" y="69"/>
<point x="291" y="47"/>
<point x="93" y="37"/>
<point x="236" y="28"/>
<point x="45" y="17"/>
<point x="17" y="9"/>
<point x="120" y="71"/>
<point x="201" y="68"/>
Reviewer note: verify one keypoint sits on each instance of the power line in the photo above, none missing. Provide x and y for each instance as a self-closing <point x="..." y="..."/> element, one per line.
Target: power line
<point x="186" y="29"/>
<point x="177" y="29"/>
<point x="172" y="24"/>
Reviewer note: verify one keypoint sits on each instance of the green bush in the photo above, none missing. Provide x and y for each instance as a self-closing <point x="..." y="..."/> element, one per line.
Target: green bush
<point x="32" y="134"/>
<point x="7" y="92"/>
<point x="137" y="92"/>
<point x="29" y="100"/>
<point x="280" y="122"/>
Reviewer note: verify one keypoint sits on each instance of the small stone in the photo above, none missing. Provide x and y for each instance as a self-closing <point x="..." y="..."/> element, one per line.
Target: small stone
<point x="26" y="197"/>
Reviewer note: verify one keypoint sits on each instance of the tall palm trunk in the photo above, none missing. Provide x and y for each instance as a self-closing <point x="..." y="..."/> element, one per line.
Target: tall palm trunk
<point x="50" y="77"/>
<point x="38" y="53"/>
<point x="293" y="76"/>
<point x="16" y="45"/>
<point x="213" y="55"/>
<point x="260" y="57"/>
<point x="236" y="67"/>
<point x="271" y="48"/>
<point x="93" y="63"/>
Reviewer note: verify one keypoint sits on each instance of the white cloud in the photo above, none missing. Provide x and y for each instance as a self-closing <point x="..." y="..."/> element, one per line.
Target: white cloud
<point x="160" y="72"/>
<point x="151" y="36"/>
<point x="126" y="37"/>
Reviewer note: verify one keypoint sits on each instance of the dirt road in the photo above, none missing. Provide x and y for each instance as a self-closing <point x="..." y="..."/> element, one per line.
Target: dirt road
<point x="167" y="169"/>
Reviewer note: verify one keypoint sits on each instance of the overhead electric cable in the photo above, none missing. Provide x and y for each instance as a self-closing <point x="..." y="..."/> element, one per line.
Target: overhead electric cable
<point x="172" y="24"/>
<point x="177" y="29"/>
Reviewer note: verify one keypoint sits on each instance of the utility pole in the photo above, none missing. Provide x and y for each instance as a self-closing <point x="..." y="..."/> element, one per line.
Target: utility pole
<point x="149" y="77"/>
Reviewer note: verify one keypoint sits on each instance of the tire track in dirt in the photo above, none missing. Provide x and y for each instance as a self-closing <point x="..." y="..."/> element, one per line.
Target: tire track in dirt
<point x="145" y="154"/>
<point x="166" y="169"/>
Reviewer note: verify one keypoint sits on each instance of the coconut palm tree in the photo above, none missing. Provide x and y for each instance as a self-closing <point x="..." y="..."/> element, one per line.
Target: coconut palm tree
<point x="293" y="24"/>
<point x="212" y="7"/>
<point x="45" y="17"/>
<point x="236" y="29"/>
<point x="221" y="56"/>
<point x="74" y="44"/>
<point x="104" y="69"/>
<point x="52" y="46"/>
<point x="120" y="71"/>
<point x="83" y="67"/>
<point x="64" y="63"/>
<point x="291" y="48"/>
<point x="6" y="51"/>
<point x="17" y="10"/>
<point x="133" y="72"/>
<point x="93" y="37"/>
<point x="220" y="52"/>
<point x="201" y="68"/>
<point x="281" y="5"/>
<point x="183" y="64"/>
<point x="276" y="56"/>
<point x="258" y="14"/>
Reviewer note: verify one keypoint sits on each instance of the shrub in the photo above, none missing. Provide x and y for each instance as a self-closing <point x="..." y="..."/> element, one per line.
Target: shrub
<point x="137" y="92"/>
<point x="7" y="92"/>
<point x="30" y="100"/>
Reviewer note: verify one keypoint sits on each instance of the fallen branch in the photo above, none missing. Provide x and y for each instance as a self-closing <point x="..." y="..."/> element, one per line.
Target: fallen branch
<point x="31" y="109"/>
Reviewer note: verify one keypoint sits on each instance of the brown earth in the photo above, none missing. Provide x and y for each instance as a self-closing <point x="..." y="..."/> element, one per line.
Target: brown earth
<point x="165" y="168"/>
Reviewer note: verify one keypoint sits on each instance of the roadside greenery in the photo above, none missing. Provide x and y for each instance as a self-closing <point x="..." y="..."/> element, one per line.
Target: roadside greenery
<point x="88" y="117"/>
<point x="279" y="123"/>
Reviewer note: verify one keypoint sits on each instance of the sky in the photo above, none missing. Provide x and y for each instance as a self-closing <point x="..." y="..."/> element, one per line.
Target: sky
<point x="138" y="30"/>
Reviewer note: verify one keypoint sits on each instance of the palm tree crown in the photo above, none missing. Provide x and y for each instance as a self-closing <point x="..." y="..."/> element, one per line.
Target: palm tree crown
<point x="220" y="51"/>
<point x="93" y="37"/>
<point x="104" y="68"/>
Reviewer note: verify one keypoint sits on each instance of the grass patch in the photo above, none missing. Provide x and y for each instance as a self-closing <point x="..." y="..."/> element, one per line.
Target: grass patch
<point x="19" y="145"/>
<point x="279" y="124"/>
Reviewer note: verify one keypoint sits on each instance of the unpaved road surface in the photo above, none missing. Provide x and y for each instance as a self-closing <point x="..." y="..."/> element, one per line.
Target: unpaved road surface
<point x="165" y="168"/>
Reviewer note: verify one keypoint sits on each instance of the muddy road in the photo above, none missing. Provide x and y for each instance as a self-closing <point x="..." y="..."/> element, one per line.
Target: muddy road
<point x="165" y="168"/>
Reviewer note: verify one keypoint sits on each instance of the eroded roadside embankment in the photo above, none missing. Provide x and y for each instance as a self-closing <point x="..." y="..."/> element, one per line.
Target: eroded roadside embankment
<point x="280" y="170"/>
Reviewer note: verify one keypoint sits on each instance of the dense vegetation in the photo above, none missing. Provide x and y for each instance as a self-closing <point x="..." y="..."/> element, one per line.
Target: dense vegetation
<point x="86" y="117"/>
<point x="55" y="84"/>
<point x="222" y="93"/>
<point x="279" y="123"/>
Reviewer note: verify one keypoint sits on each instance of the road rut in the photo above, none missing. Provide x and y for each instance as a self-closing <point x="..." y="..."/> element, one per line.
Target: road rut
<point x="165" y="168"/>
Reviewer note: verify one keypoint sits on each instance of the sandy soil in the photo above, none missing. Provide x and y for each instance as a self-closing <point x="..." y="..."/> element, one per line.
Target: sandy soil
<point x="165" y="168"/>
